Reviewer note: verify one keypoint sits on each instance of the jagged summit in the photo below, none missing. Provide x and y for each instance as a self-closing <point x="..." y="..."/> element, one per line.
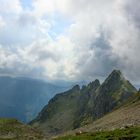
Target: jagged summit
<point x="77" y="107"/>
<point x="76" y="88"/>
<point x="116" y="81"/>
<point x="113" y="91"/>
<point x="96" y="81"/>
<point x="115" y="75"/>
<point x="93" y="85"/>
<point x="116" y="71"/>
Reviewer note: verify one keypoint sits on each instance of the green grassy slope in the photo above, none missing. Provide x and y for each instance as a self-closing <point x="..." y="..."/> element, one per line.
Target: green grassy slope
<point x="59" y="113"/>
<point x="11" y="129"/>
<point x="132" y="133"/>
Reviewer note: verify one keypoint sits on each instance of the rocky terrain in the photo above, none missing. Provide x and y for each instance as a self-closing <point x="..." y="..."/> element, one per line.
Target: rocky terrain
<point x="80" y="106"/>
<point x="109" y="110"/>
<point x="126" y="115"/>
<point x="129" y="133"/>
<point x="123" y="123"/>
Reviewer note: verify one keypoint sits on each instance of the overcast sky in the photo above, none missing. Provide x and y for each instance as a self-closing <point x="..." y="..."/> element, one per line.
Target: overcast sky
<point x="72" y="40"/>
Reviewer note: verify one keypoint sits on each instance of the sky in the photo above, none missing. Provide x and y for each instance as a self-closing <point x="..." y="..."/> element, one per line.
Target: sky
<point x="68" y="40"/>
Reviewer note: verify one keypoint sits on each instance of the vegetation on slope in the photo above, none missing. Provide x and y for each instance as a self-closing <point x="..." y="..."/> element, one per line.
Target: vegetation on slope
<point x="130" y="133"/>
<point x="78" y="107"/>
<point x="58" y="115"/>
<point x="11" y="129"/>
<point x="124" y="116"/>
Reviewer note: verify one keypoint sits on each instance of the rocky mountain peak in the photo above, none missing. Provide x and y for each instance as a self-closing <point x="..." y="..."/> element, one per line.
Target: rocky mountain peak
<point x="114" y="79"/>
<point x="116" y="74"/>
<point x="77" y="107"/>
<point x="76" y="88"/>
<point x="94" y="84"/>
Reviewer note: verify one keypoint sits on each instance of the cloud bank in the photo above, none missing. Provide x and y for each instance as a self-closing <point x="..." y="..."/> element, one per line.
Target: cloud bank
<point x="69" y="40"/>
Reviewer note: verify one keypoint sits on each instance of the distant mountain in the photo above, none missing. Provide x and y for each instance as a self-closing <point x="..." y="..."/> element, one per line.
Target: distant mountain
<point x="77" y="107"/>
<point x="22" y="98"/>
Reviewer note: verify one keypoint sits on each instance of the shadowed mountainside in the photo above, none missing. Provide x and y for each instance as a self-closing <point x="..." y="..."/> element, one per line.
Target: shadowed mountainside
<point x="122" y="123"/>
<point x="23" y="98"/>
<point x="78" y="107"/>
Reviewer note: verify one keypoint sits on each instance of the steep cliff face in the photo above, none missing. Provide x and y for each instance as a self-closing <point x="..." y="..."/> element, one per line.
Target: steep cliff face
<point x="84" y="111"/>
<point x="77" y="107"/>
<point x="59" y="114"/>
<point x="114" y="91"/>
<point x="104" y="98"/>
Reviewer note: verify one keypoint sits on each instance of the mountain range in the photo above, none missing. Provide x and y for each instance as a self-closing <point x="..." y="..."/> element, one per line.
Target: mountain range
<point x="22" y="98"/>
<point x="78" y="107"/>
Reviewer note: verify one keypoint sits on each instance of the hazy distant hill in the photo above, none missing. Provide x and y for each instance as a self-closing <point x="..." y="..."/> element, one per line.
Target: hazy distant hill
<point x="23" y="98"/>
<point x="77" y="107"/>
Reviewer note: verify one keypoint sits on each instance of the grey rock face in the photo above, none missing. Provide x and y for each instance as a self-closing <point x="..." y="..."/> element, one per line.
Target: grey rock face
<point x="77" y="107"/>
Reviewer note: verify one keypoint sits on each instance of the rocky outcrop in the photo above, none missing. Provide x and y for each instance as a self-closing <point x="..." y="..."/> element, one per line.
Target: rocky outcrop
<point x="77" y="107"/>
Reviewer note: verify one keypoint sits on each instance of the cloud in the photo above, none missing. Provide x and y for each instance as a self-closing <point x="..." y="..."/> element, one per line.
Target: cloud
<point x="132" y="11"/>
<point x="43" y="7"/>
<point x="125" y="40"/>
<point x="10" y="7"/>
<point x="2" y="23"/>
<point x="97" y="36"/>
<point x="16" y="63"/>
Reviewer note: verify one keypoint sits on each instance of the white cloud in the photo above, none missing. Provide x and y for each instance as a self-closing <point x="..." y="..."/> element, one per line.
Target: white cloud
<point x="10" y="7"/>
<point x="56" y="57"/>
<point x="102" y="35"/>
<point x="43" y="7"/>
<point x="2" y="22"/>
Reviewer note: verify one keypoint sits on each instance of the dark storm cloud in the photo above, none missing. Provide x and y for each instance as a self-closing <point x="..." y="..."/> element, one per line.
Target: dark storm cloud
<point x="99" y="60"/>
